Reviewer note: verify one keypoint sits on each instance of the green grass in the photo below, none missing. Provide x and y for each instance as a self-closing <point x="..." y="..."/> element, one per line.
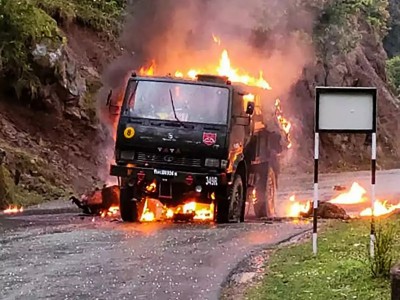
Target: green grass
<point x="100" y="15"/>
<point x="341" y="270"/>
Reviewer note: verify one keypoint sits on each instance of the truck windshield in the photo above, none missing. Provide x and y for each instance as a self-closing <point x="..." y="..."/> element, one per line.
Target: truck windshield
<point x="191" y="102"/>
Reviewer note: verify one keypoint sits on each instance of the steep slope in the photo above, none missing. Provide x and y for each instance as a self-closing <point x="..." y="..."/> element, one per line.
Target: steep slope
<point x="53" y="142"/>
<point x="356" y="58"/>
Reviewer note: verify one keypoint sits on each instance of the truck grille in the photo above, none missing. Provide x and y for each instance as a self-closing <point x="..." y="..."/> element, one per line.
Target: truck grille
<point x="168" y="159"/>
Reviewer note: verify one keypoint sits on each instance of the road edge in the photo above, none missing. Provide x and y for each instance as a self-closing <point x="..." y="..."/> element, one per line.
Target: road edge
<point x="42" y="211"/>
<point x="256" y="252"/>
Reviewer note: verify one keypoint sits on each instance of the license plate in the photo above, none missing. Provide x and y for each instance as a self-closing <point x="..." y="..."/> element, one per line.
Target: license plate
<point x="165" y="173"/>
<point x="212" y="180"/>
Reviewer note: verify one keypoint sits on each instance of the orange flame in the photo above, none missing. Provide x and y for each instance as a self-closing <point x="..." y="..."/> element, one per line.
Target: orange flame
<point x="285" y="125"/>
<point x="147" y="215"/>
<point x="380" y="209"/>
<point x="201" y="211"/>
<point x="169" y="214"/>
<point x="216" y="39"/>
<point x="152" y="187"/>
<point x="112" y="211"/>
<point x="13" y="210"/>
<point x="148" y="71"/>
<point x="354" y="196"/>
<point x="296" y="208"/>
<point x="224" y="68"/>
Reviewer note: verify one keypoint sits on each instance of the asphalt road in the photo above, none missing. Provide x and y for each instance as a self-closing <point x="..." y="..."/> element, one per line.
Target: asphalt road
<point x="64" y="256"/>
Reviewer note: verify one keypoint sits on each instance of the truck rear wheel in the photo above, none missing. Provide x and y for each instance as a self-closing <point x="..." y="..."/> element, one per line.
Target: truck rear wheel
<point x="266" y="196"/>
<point x="127" y="207"/>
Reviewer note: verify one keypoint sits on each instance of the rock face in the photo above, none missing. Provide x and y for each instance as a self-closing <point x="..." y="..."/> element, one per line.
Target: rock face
<point x="63" y="86"/>
<point x="364" y="66"/>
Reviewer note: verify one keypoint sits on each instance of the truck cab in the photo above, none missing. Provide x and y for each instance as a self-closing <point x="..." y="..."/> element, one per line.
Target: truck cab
<point x="205" y="139"/>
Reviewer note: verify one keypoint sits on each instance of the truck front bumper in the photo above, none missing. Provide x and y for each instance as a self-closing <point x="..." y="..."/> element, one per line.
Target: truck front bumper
<point x="173" y="176"/>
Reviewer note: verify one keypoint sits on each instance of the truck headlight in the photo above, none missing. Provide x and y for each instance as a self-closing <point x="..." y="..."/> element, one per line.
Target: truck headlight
<point x="212" y="162"/>
<point x="127" y="155"/>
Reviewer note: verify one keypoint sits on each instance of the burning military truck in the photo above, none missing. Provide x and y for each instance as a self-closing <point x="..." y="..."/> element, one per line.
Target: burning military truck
<point x="195" y="142"/>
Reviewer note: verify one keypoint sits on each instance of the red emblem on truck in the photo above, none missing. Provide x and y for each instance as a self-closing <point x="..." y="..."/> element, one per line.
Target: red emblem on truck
<point x="209" y="138"/>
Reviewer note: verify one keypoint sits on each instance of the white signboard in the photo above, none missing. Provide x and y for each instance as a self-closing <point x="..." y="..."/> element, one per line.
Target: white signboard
<point x="346" y="109"/>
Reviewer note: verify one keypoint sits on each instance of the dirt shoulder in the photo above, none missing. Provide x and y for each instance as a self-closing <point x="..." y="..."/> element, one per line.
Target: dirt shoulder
<point x="251" y="271"/>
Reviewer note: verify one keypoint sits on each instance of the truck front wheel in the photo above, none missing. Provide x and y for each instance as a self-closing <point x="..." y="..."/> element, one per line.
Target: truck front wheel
<point x="230" y="209"/>
<point x="266" y="195"/>
<point x="127" y="206"/>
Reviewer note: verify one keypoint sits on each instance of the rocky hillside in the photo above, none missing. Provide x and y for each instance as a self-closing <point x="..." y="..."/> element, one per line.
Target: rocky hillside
<point x="51" y="55"/>
<point x="349" y="36"/>
<point x="54" y="57"/>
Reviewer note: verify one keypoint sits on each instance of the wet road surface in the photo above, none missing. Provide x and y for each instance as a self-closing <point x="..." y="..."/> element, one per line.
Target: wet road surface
<point x="66" y="257"/>
<point x="63" y="256"/>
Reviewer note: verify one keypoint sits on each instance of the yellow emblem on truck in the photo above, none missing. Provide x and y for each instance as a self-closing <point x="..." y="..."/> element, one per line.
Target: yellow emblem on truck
<point x="129" y="132"/>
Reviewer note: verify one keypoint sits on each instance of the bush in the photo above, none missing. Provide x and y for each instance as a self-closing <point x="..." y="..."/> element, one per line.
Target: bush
<point x="393" y="71"/>
<point x="22" y="25"/>
<point x="7" y="187"/>
<point x="381" y="262"/>
<point x="100" y="15"/>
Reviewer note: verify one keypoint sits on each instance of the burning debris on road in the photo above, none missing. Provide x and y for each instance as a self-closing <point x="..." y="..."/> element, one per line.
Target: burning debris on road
<point x="105" y="203"/>
<point x="352" y="203"/>
<point x="13" y="210"/>
<point x="100" y="202"/>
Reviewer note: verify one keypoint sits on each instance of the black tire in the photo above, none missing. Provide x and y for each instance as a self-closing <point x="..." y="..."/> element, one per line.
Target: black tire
<point x="228" y="211"/>
<point x="266" y="195"/>
<point x="128" y="208"/>
<point x="236" y="200"/>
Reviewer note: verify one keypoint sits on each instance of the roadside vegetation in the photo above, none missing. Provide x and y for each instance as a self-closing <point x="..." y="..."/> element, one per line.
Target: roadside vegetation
<point x="342" y="270"/>
<point x="26" y="23"/>
<point x="393" y="70"/>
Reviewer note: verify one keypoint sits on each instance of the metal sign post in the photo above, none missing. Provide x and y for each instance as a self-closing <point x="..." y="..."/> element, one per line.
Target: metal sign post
<point x="345" y="110"/>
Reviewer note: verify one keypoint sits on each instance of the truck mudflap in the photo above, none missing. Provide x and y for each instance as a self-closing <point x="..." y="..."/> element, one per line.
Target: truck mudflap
<point x="206" y="179"/>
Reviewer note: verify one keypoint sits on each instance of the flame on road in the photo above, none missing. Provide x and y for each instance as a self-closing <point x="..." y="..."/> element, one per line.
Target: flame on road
<point x="380" y="209"/>
<point x="296" y="208"/>
<point x="354" y="199"/>
<point x="112" y="211"/>
<point x="354" y="196"/>
<point x="357" y="195"/>
<point x="13" y="210"/>
<point x="202" y="212"/>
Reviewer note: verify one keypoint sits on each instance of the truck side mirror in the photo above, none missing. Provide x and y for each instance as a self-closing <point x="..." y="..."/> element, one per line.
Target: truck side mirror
<point x="250" y="108"/>
<point x="112" y="109"/>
